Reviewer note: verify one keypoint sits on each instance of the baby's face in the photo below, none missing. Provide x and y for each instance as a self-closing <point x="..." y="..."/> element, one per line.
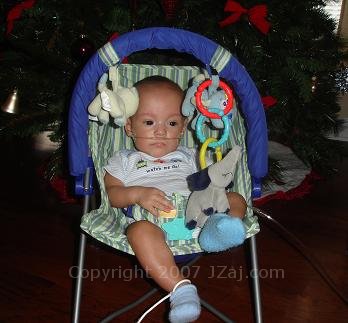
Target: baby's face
<point x="158" y="123"/>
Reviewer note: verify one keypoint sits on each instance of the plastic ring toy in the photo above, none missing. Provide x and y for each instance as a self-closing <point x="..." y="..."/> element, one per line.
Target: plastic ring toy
<point x="224" y="136"/>
<point x="202" y="109"/>
<point x="203" y="151"/>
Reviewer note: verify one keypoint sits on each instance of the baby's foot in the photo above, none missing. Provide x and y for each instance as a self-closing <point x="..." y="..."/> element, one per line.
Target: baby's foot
<point x="184" y="304"/>
<point x="221" y="232"/>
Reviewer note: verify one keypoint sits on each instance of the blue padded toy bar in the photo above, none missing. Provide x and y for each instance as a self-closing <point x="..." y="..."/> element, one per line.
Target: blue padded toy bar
<point x="181" y="41"/>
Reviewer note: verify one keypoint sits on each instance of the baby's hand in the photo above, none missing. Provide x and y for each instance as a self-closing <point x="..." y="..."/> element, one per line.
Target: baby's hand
<point x="153" y="200"/>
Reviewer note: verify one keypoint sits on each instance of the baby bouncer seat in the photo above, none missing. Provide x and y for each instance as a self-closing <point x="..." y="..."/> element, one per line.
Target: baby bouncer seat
<point x="92" y="143"/>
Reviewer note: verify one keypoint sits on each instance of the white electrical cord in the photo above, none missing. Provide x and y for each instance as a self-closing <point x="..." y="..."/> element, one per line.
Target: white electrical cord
<point x="164" y="298"/>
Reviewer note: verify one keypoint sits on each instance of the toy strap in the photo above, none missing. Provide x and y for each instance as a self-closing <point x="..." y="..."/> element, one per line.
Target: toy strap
<point x="113" y="77"/>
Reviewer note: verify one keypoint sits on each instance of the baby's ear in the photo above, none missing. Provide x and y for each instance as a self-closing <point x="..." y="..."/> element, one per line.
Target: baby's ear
<point x="128" y="127"/>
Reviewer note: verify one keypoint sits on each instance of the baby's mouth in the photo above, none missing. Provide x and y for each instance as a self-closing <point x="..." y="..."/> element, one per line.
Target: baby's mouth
<point x="159" y="144"/>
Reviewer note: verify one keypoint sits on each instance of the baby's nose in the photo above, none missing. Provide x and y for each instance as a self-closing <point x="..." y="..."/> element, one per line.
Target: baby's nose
<point x="160" y="129"/>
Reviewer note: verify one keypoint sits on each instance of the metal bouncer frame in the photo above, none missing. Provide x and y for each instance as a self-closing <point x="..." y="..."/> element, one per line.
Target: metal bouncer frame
<point x="206" y="51"/>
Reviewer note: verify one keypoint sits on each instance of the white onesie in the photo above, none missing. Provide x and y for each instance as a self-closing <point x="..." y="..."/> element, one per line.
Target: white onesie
<point x="167" y="173"/>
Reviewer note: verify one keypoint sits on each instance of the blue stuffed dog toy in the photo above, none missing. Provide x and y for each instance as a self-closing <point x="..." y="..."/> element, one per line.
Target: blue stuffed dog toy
<point x="211" y="98"/>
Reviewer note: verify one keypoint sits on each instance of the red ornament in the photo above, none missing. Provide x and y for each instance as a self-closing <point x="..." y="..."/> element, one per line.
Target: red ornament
<point x="16" y="12"/>
<point x="170" y="7"/>
<point x="257" y="15"/>
<point x="268" y="101"/>
<point x="113" y="36"/>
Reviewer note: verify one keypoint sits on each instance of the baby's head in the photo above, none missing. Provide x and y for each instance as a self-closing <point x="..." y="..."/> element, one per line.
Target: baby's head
<point x="158" y="124"/>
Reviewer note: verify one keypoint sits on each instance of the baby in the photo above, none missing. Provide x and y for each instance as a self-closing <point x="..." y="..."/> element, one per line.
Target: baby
<point x="156" y="129"/>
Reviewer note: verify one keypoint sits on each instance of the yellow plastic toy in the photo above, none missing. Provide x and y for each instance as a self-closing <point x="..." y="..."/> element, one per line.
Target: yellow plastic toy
<point x="203" y="150"/>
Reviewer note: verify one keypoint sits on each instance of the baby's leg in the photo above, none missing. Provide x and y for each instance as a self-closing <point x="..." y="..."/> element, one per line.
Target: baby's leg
<point x="237" y="203"/>
<point x="148" y="243"/>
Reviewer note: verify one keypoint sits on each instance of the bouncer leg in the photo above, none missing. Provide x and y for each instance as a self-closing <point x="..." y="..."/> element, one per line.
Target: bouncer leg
<point x="78" y="287"/>
<point x="255" y="280"/>
<point x="81" y="257"/>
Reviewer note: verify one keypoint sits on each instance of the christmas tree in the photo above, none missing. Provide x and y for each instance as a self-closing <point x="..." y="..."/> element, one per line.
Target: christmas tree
<point x="290" y="49"/>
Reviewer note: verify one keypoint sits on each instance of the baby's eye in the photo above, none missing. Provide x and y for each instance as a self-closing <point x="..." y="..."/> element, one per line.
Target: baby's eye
<point x="148" y="122"/>
<point x="173" y="123"/>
